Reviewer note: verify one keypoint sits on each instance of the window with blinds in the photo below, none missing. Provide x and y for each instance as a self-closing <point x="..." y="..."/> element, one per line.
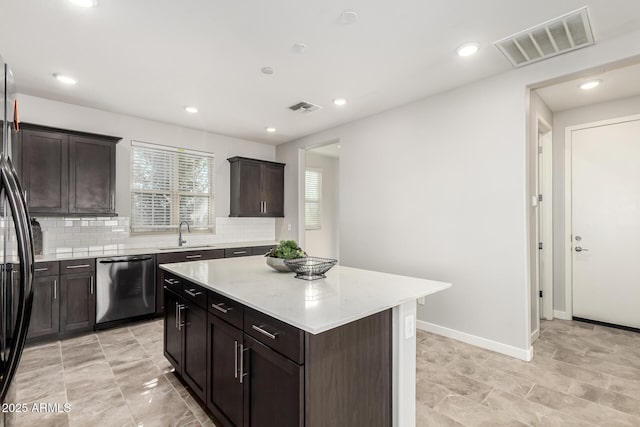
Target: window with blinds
<point x="312" y="198"/>
<point x="170" y="185"/>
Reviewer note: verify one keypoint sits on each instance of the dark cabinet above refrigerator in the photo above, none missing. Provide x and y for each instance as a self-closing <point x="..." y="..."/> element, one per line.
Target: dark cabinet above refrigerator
<point x="257" y="188"/>
<point x="66" y="172"/>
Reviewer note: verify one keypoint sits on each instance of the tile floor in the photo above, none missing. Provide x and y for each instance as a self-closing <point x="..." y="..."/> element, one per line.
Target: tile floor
<point x="117" y="377"/>
<point x="581" y="375"/>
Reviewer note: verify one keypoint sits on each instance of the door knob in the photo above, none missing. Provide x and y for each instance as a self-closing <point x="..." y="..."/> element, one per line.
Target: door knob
<point x="579" y="249"/>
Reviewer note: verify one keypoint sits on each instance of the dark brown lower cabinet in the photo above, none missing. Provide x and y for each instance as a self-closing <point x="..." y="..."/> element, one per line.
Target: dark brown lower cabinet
<point x="257" y="371"/>
<point x="273" y="388"/>
<point x="194" y="369"/>
<point x="45" y="311"/>
<point x="173" y="342"/>
<point x="225" y="390"/>
<point x="78" y="302"/>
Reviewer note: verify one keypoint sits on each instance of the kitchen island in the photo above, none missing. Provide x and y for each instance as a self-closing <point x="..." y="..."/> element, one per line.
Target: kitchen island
<point x="264" y="348"/>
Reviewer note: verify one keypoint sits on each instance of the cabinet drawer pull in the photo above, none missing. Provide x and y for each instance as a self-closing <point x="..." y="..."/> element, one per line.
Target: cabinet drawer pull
<point x="239" y="252"/>
<point x="222" y="307"/>
<point x="192" y="292"/>
<point x="273" y="336"/>
<point x="171" y="282"/>
<point x="41" y="269"/>
<point x="71" y="267"/>
<point x="193" y="256"/>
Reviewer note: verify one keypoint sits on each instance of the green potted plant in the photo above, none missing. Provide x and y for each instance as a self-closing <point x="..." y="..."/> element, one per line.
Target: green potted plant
<point x="286" y="249"/>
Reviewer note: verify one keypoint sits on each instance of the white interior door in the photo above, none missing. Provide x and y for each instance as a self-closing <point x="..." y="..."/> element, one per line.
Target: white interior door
<point x="606" y="223"/>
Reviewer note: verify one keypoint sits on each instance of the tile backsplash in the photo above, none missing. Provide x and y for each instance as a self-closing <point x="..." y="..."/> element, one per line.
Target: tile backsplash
<point x="60" y="234"/>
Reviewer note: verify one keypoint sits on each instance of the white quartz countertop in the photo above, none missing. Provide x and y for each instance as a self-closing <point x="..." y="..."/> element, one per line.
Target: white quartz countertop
<point x="346" y="295"/>
<point x="144" y="251"/>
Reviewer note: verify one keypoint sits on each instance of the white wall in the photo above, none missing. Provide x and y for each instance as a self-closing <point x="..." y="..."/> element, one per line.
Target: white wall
<point x="439" y="189"/>
<point x="324" y="241"/>
<point x="592" y="113"/>
<point x="52" y="113"/>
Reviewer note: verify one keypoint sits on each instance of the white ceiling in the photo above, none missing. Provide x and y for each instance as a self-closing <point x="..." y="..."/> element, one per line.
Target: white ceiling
<point x="617" y="83"/>
<point x="150" y="58"/>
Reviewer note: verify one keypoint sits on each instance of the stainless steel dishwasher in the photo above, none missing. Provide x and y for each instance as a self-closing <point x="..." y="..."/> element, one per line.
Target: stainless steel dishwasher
<point x="125" y="288"/>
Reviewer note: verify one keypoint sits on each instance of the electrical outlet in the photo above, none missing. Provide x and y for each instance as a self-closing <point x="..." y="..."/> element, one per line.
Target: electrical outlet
<point x="288" y="227"/>
<point x="421" y="300"/>
<point x="409" y="327"/>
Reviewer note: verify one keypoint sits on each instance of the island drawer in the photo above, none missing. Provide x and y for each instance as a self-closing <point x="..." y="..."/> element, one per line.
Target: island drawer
<point x="236" y="252"/>
<point x="195" y="293"/>
<point x="172" y="283"/>
<point x="77" y="266"/>
<point x="51" y="268"/>
<point x="226" y="309"/>
<point x="283" y="338"/>
<point x="261" y="250"/>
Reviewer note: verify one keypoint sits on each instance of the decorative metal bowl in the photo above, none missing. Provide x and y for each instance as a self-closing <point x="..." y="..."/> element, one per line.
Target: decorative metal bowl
<point x="278" y="264"/>
<point x="310" y="268"/>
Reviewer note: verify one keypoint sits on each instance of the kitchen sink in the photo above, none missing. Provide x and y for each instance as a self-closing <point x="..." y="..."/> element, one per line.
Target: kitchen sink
<point x="173" y="248"/>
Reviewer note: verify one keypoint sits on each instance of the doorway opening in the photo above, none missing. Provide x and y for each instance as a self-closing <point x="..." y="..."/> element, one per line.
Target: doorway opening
<point x="321" y="202"/>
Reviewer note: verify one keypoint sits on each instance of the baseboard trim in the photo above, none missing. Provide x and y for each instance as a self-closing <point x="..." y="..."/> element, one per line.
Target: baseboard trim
<point x="561" y="315"/>
<point x="535" y="335"/>
<point x="498" y="347"/>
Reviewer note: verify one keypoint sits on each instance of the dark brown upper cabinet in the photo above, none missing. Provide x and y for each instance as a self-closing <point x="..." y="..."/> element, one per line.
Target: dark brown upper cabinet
<point x="257" y="188"/>
<point x="66" y="172"/>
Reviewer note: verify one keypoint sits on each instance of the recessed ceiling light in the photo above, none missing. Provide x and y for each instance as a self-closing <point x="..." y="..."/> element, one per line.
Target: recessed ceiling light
<point x="65" y="79"/>
<point x="339" y="102"/>
<point x="85" y="3"/>
<point x="348" y="17"/>
<point x="468" y="49"/>
<point x="299" y="48"/>
<point x="267" y="70"/>
<point x="590" y="84"/>
<point x="270" y="129"/>
<point x="190" y="109"/>
<point x="338" y="145"/>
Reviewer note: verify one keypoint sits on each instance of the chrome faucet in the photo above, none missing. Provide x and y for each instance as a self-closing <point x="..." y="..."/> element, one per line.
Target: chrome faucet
<point x="180" y="241"/>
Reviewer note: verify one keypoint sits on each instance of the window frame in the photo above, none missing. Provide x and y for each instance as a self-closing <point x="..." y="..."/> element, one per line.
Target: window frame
<point x="318" y="200"/>
<point x="174" y="193"/>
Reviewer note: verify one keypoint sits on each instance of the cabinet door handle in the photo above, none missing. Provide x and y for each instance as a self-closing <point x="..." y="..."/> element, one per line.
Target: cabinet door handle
<point x="273" y="336"/>
<point x="265" y="206"/>
<point x="177" y="314"/>
<point x="113" y="201"/>
<point x="193" y="256"/>
<point x="222" y="307"/>
<point x="235" y="359"/>
<point x="71" y="267"/>
<point x="242" y="373"/>
<point x="191" y="292"/>
<point x="40" y="269"/>
<point x="55" y="289"/>
<point x="180" y="322"/>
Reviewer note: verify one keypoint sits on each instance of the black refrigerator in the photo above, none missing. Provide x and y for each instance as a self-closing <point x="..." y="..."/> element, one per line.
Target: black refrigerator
<point x="16" y="246"/>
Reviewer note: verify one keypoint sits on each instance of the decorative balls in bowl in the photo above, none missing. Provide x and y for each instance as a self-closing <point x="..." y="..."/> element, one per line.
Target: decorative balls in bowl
<point x="286" y="249"/>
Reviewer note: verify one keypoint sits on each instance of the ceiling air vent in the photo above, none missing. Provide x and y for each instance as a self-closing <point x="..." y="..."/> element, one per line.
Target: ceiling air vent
<point x="560" y="35"/>
<point x="304" y="107"/>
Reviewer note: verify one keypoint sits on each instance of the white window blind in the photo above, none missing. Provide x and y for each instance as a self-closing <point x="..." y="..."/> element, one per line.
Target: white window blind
<point x="170" y="185"/>
<point x="312" y="198"/>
